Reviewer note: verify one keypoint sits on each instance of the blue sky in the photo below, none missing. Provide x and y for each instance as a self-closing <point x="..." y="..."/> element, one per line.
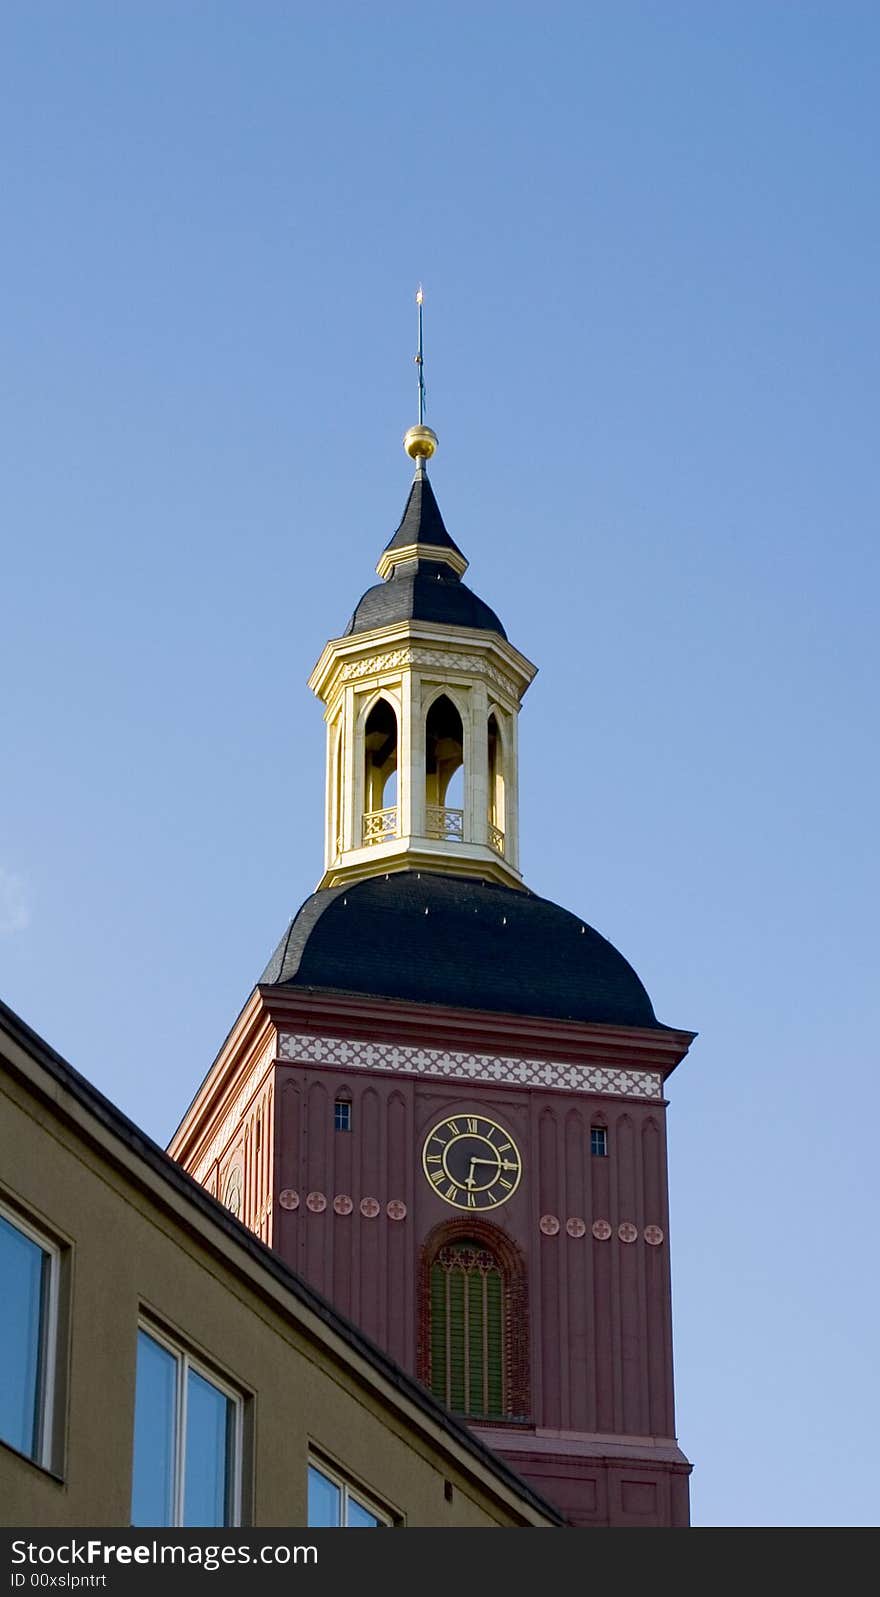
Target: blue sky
<point x="649" y="241"/>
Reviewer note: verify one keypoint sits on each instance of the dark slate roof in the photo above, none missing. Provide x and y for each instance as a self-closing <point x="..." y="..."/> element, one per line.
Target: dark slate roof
<point x="423" y="589"/>
<point x="479" y="946"/>
<point x="422" y="521"/>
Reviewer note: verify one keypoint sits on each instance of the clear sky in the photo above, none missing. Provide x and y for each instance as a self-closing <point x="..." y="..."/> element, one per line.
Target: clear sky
<point x="648" y="235"/>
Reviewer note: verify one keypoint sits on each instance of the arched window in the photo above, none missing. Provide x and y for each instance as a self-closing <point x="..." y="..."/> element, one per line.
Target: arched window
<point x="496" y="787"/>
<point x="380" y="773"/>
<point x="444" y="759"/>
<point x="474" y="1334"/>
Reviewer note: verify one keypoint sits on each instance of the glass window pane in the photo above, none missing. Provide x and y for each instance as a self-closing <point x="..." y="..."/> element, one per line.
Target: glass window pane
<point x="324" y="1501"/>
<point x="360" y="1518"/>
<point x="209" y="1444"/>
<point x="152" y="1495"/>
<point x="24" y="1272"/>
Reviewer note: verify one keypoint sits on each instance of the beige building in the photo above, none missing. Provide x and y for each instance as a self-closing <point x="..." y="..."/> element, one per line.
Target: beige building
<point x="161" y="1365"/>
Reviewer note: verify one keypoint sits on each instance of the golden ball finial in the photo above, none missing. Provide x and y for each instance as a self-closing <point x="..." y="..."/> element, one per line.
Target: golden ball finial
<point x="420" y="443"/>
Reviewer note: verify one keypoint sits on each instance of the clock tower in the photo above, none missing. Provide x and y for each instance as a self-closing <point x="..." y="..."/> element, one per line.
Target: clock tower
<point x="444" y="1102"/>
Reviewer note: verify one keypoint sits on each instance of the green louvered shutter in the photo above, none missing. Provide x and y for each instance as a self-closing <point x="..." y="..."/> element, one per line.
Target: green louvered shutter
<point x="467" y="1331"/>
<point x="495" y="1340"/>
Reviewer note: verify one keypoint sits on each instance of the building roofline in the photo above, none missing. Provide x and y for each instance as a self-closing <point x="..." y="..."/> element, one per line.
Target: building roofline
<point x="208" y="1214"/>
<point x="660" y="1047"/>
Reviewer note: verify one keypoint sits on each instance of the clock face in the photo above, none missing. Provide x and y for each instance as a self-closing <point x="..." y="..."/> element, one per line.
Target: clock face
<point x="471" y="1162"/>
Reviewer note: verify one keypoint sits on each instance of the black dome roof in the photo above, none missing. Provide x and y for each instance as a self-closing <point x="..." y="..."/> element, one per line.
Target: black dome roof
<point x="433" y="939"/>
<point x="423" y="590"/>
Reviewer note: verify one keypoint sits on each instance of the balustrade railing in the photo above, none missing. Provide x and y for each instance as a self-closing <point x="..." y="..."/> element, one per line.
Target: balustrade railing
<point x="446" y="824"/>
<point x="441" y="822"/>
<point x="380" y="825"/>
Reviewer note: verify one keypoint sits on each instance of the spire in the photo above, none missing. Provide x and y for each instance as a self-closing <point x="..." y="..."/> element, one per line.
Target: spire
<point x="420" y="442"/>
<point x="421" y="534"/>
<point x="420" y="358"/>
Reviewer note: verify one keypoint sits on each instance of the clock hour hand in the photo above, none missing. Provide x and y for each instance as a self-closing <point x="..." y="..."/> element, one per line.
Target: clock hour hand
<point x="470" y="1180"/>
<point x="470" y="1177"/>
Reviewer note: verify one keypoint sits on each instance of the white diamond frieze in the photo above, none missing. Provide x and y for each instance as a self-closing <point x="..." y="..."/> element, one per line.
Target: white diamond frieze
<point x="351" y="1054"/>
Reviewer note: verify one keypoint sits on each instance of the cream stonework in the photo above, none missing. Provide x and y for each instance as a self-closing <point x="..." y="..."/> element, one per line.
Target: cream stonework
<point x="410" y="666"/>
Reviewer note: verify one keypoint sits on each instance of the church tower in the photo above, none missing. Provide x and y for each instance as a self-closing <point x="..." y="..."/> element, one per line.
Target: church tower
<point x="444" y="1102"/>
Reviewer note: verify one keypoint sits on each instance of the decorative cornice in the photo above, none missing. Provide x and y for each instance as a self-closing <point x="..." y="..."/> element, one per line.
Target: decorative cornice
<point x="438" y="553"/>
<point x="441" y="641"/>
<point x="384" y="1020"/>
<point x="414" y="854"/>
<point x="391" y="659"/>
<point x="502" y="1070"/>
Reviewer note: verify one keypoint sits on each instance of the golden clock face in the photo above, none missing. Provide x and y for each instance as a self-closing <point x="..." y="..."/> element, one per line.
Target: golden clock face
<point x="471" y="1162"/>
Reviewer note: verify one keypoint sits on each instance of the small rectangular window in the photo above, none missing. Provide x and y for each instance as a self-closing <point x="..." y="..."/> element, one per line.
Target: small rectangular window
<point x="333" y="1504"/>
<point x="342" y="1115"/>
<point x="29" y="1271"/>
<point x="598" y="1142"/>
<point x="187" y="1440"/>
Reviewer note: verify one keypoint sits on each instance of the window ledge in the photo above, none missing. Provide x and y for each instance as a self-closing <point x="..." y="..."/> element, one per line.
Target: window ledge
<point x="41" y="1469"/>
